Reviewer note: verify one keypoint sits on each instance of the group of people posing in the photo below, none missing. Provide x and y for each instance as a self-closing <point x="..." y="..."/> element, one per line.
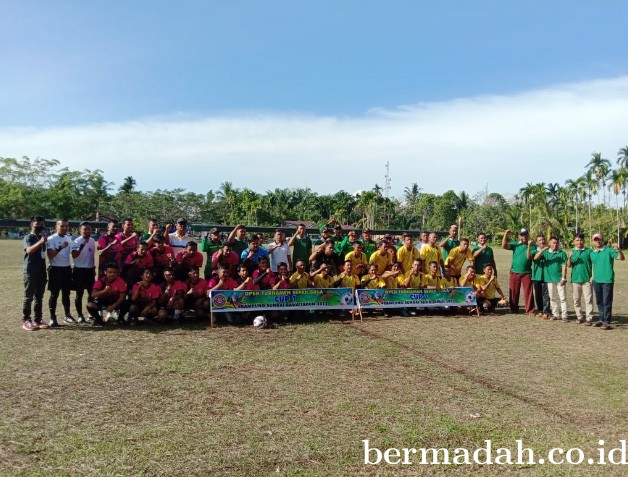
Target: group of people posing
<point x="540" y="268"/>
<point x="157" y="275"/>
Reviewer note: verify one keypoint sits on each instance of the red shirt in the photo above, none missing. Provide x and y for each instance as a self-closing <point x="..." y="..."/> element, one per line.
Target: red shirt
<point x="249" y="286"/>
<point x="199" y="289"/>
<point x="229" y="283"/>
<point x="285" y="285"/>
<point x="131" y="244"/>
<point x="117" y="286"/>
<point x="177" y="286"/>
<point x="148" y="294"/>
<point x="230" y="260"/>
<point x="141" y="262"/>
<point x="112" y="254"/>
<point x="196" y="259"/>
<point x="160" y="259"/>
<point x="267" y="282"/>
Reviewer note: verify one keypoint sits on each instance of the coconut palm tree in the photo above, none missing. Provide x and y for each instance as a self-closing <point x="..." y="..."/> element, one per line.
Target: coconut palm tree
<point x="622" y="161"/>
<point x="527" y="196"/>
<point x="128" y="185"/>
<point x="617" y="185"/>
<point x="576" y="192"/>
<point x="600" y="168"/>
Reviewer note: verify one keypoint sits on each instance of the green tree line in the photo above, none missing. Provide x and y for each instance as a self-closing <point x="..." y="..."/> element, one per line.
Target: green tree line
<point x="596" y="201"/>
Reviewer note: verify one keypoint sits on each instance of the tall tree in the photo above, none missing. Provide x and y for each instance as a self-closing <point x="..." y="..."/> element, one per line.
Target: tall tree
<point x="599" y="168"/>
<point x="128" y="185"/>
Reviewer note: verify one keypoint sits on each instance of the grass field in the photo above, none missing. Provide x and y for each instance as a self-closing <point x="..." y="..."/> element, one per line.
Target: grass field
<point x="298" y="399"/>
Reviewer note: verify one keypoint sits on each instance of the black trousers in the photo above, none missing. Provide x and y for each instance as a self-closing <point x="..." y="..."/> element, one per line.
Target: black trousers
<point x="59" y="281"/>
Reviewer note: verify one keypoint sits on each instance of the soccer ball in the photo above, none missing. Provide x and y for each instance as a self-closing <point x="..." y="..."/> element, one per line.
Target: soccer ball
<point x="346" y="299"/>
<point x="260" y="322"/>
<point x="111" y="316"/>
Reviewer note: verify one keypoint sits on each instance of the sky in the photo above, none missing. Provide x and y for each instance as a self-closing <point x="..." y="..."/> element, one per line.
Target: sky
<point x="451" y="94"/>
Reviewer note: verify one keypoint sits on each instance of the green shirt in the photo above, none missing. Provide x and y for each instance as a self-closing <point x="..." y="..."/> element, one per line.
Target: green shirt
<point x="368" y="247"/>
<point x="602" y="261"/>
<point x="520" y="261"/>
<point x="553" y="263"/>
<point x="485" y="257"/>
<point x="239" y="246"/>
<point x="538" y="266"/>
<point x="581" y="265"/>
<point x="210" y="248"/>
<point x="451" y="243"/>
<point x="302" y="249"/>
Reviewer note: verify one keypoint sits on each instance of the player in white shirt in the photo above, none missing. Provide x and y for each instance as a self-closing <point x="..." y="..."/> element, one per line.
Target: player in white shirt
<point x="84" y="271"/>
<point x="59" y="271"/>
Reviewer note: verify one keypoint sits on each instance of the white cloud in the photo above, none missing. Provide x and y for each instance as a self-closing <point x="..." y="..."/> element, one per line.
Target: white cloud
<point x="505" y="141"/>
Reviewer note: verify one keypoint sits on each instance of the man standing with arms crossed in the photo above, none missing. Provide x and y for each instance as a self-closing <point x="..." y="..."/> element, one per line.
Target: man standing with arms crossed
<point x="520" y="272"/>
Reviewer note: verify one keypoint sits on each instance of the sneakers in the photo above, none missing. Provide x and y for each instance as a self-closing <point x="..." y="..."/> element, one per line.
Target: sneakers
<point x="588" y="323"/>
<point x="28" y="325"/>
<point x="579" y="321"/>
<point x="607" y="326"/>
<point x="41" y="324"/>
<point x="81" y="320"/>
<point x="70" y="320"/>
<point x="53" y="323"/>
<point x="597" y="324"/>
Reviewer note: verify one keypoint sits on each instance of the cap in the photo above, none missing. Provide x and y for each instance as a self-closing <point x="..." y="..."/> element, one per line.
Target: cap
<point x="323" y="228"/>
<point x="523" y="232"/>
<point x="597" y="236"/>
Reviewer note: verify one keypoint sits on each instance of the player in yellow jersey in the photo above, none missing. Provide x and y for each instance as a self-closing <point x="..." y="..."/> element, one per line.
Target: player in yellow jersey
<point x="470" y="279"/>
<point x="300" y="278"/>
<point x="431" y="253"/>
<point x="358" y="259"/>
<point x="347" y="279"/>
<point x="391" y="277"/>
<point x="432" y="279"/>
<point x="371" y="280"/>
<point x="321" y="277"/>
<point x="448" y="281"/>
<point x="414" y="277"/>
<point x="381" y="257"/>
<point x="407" y="253"/>
<point x="488" y="290"/>
<point x="457" y="258"/>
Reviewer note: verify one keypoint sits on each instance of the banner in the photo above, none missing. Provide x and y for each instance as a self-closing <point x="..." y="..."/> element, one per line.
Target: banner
<point x="423" y="297"/>
<point x="308" y="298"/>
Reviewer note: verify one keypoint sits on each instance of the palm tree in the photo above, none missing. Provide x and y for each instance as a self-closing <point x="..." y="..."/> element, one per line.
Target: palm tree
<point x="617" y="185"/>
<point x="412" y="194"/>
<point x="591" y="188"/>
<point x="622" y="157"/>
<point x="527" y="195"/>
<point x="599" y="167"/>
<point x="622" y="161"/>
<point x="575" y="192"/>
<point x="552" y="190"/>
<point x="128" y="185"/>
<point x="228" y="195"/>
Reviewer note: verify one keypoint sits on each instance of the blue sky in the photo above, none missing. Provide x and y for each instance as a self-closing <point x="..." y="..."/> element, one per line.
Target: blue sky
<point x="142" y="88"/>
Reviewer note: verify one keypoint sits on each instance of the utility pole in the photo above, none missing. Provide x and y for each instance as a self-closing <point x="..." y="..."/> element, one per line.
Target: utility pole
<point x="387" y="192"/>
